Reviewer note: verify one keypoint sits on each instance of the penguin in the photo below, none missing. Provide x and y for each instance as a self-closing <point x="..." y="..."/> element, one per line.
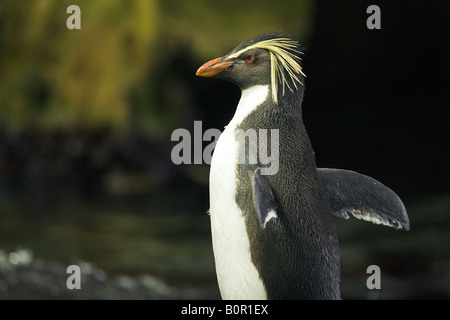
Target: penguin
<point x="273" y="231"/>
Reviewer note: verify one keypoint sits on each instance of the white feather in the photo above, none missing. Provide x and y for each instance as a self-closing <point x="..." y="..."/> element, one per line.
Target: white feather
<point x="271" y="214"/>
<point x="236" y="274"/>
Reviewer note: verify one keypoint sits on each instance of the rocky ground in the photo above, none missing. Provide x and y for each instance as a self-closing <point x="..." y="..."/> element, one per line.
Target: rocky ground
<point x="24" y="277"/>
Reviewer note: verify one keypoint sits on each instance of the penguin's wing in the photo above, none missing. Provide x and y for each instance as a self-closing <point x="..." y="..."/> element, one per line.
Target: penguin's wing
<point x="364" y="197"/>
<point x="263" y="199"/>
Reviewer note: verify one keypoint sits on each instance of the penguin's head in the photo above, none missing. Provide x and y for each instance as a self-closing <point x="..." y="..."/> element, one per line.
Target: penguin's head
<point x="270" y="59"/>
<point x="249" y="68"/>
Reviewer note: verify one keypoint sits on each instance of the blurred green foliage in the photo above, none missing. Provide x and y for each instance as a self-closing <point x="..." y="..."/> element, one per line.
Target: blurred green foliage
<point x="108" y="73"/>
<point x="52" y="76"/>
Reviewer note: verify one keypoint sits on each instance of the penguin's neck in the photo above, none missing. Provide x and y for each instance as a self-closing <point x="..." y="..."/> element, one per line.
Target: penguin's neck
<point x="251" y="98"/>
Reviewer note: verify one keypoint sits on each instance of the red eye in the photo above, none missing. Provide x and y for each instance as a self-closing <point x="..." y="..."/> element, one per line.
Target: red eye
<point x="250" y="58"/>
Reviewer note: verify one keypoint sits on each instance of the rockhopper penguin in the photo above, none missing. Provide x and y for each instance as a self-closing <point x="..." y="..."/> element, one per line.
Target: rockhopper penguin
<point x="273" y="232"/>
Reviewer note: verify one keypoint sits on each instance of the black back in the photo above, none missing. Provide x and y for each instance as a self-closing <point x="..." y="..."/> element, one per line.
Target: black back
<point x="297" y="254"/>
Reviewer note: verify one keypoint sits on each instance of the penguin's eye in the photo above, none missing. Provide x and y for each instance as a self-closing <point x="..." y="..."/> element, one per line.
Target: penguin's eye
<point x="249" y="58"/>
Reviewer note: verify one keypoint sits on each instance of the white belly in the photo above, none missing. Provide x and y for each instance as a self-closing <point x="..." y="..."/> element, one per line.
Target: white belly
<point x="236" y="274"/>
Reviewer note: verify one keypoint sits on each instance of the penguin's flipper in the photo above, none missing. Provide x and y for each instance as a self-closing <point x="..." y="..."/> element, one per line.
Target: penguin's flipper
<point x="263" y="199"/>
<point x="364" y="197"/>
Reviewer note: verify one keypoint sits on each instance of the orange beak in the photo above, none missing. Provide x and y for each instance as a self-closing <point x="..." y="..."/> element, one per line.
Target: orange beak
<point x="213" y="67"/>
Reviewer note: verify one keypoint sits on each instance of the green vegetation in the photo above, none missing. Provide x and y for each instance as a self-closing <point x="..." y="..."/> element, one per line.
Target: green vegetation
<point x="108" y="73"/>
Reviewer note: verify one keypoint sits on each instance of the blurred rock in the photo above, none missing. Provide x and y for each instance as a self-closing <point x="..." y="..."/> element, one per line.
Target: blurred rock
<point x="25" y="277"/>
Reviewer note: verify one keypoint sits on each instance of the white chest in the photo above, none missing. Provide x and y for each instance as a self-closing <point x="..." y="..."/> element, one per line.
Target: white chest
<point x="236" y="274"/>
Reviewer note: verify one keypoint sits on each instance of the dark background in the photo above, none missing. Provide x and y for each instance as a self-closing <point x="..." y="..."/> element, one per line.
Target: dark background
<point x="86" y="118"/>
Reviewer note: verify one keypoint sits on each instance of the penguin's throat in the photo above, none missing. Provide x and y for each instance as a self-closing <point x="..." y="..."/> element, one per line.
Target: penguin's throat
<point x="251" y="98"/>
